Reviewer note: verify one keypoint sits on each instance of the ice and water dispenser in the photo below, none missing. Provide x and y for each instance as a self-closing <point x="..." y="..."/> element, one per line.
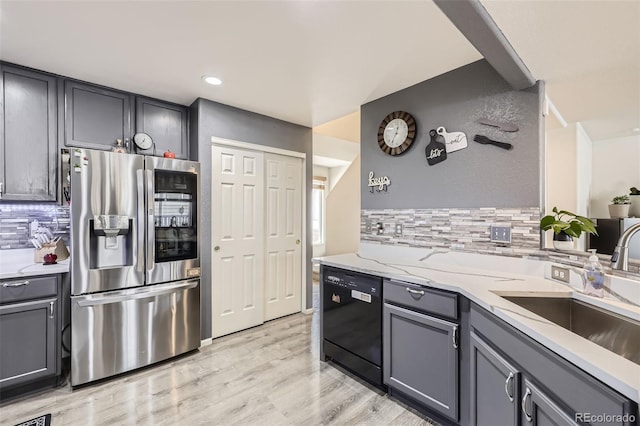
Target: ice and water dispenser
<point x="110" y="241"/>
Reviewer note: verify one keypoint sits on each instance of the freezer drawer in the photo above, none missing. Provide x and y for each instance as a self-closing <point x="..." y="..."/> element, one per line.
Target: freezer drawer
<point x="120" y="331"/>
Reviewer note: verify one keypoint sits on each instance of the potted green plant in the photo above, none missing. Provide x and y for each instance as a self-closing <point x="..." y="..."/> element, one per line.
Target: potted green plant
<point x="634" y="196"/>
<point x="619" y="206"/>
<point x="566" y="226"/>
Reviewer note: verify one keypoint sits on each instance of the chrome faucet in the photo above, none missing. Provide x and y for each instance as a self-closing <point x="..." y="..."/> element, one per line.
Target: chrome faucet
<point x="620" y="258"/>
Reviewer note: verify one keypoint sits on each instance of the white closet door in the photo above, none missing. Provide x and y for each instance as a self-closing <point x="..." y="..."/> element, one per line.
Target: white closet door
<point x="237" y="231"/>
<point x="283" y="226"/>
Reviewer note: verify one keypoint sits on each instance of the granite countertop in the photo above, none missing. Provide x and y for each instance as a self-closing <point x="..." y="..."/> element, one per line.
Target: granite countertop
<point x="19" y="263"/>
<point x="508" y="277"/>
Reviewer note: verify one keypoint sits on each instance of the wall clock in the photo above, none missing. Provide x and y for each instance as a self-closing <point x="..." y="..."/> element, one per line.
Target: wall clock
<point x="143" y="141"/>
<point x="396" y="132"/>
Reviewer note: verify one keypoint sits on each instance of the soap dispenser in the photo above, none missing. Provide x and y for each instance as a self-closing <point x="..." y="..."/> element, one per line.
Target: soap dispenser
<point x="593" y="276"/>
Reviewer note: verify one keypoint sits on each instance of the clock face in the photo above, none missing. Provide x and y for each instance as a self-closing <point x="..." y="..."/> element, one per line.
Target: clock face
<point x="142" y="140"/>
<point x="396" y="132"/>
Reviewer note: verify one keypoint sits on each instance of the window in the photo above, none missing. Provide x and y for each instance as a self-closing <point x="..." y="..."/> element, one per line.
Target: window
<point x="318" y="209"/>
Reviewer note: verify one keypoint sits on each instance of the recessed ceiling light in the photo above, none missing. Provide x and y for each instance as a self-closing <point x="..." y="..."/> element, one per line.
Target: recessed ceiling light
<point x="212" y="80"/>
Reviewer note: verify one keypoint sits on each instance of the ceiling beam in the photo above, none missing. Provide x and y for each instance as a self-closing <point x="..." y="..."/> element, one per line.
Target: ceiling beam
<point x="475" y="23"/>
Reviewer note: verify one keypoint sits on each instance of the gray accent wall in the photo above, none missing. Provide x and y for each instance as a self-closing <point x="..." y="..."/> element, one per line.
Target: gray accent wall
<point x="478" y="176"/>
<point x="209" y="119"/>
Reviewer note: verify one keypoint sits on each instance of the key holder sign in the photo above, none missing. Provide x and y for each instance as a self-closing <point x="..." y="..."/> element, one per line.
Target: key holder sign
<point x="381" y="182"/>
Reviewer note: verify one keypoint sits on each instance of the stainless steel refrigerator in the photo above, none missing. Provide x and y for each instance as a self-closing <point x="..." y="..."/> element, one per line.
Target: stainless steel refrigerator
<point x="135" y="286"/>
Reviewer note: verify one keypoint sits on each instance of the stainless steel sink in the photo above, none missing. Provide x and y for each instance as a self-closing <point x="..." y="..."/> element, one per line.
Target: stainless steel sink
<point x="611" y="331"/>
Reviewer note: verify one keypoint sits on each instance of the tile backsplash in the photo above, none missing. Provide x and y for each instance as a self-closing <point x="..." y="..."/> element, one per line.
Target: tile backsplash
<point x="455" y="228"/>
<point x="15" y="219"/>
<point x="468" y="230"/>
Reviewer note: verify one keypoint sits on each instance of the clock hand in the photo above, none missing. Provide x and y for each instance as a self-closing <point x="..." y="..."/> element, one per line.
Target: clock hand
<point x="394" y="136"/>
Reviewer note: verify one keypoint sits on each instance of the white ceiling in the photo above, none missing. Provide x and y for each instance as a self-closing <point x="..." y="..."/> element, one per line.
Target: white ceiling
<point x="588" y="52"/>
<point x="326" y="149"/>
<point x="310" y="62"/>
<point x="306" y="62"/>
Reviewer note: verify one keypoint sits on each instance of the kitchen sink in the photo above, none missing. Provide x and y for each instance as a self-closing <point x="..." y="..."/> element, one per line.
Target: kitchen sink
<point x="609" y="330"/>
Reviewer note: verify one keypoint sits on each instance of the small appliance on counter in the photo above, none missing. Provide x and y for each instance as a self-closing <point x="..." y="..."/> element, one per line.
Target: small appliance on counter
<point x="609" y="232"/>
<point x="135" y="266"/>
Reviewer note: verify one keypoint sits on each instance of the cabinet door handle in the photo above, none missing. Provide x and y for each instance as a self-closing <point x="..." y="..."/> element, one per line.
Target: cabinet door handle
<point x="1" y="188"/>
<point x="454" y="337"/>
<point x="51" y="304"/>
<point x="16" y="283"/>
<point x="527" y="394"/>
<point x="506" y="386"/>
<point x="412" y="291"/>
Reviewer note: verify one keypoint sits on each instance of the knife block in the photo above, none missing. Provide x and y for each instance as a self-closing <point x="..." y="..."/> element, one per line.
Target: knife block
<point x="58" y="248"/>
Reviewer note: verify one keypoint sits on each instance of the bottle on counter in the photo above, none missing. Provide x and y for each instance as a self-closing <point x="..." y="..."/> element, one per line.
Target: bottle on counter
<point x="593" y="276"/>
<point x="119" y="148"/>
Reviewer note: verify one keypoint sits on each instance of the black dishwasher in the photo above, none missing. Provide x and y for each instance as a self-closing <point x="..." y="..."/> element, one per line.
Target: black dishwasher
<point x="352" y="322"/>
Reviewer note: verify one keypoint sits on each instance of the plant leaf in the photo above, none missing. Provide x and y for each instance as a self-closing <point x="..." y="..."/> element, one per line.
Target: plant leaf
<point x="568" y="213"/>
<point x="587" y="225"/>
<point x="546" y="222"/>
<point x="575" y="229"/>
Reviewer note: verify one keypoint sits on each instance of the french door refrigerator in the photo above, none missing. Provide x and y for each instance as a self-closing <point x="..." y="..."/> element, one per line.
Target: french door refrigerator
<point x="135" y="266"/>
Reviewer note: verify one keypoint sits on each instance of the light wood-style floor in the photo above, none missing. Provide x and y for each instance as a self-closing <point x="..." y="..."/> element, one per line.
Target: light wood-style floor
<point x="268" y="375"/>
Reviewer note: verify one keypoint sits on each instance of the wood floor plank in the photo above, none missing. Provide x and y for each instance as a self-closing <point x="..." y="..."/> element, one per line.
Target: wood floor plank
<point x="267" y="375"/>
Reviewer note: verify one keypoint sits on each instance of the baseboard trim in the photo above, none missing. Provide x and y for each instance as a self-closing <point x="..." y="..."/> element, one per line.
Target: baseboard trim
<point x="206" y="342"/>
<point x="308" y="311"/>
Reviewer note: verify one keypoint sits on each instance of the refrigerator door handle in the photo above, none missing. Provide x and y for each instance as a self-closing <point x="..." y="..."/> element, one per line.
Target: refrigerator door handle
<point x="140" y="219"/>
<point x="150" y="220"/>
<point x="143" y="294"/>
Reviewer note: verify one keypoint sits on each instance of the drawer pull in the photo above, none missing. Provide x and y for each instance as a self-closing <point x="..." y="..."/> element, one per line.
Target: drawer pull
<point x="16" y="283"/>
<point x="527" y="394"/>
<point x="506" y="386"/>
<point x="412" y="291"/>
<point x="454" y="337"/>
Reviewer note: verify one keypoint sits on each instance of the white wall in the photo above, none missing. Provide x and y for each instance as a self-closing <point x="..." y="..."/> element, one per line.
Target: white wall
<point x="569" y="174"/>
<point x="343" y="213"/>
<point x="616" y="168"/>
<point x="562" y="175"/>
<point x="319" y="249"/>
<point x="584" y="159"/>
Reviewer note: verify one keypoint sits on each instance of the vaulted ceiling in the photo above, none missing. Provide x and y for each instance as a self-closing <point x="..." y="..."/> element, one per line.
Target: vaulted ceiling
<point x="310" y="62"/>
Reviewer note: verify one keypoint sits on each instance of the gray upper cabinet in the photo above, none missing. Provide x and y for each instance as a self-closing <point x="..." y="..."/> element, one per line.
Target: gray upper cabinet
<point x="166" y="123"/>
<point x="94" y="117"/>
<point x="28" y="135"/>
<point x="494" y="387"/>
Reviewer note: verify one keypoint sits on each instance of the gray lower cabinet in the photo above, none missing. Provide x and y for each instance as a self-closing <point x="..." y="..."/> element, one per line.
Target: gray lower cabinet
<point x="494" y="387"/>
<point x="95" y="117"/>
<point x="540" y="410"/>
<point x="166" y="123"/>
<point x="420" y="354"/>
<point x="29" y="331"/>
<point x="552" y="390"/>
<point x="28" y="135"/>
